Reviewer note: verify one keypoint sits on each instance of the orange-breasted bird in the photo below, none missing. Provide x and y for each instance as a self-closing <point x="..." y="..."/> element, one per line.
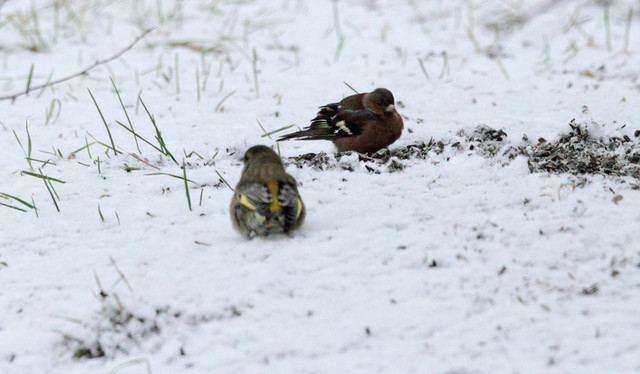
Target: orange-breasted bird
<point x="363" y="123"/>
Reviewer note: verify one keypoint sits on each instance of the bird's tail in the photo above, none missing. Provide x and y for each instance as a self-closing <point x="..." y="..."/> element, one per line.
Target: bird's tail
<point x="310" y="134"/>
<point x="322" y="126"/>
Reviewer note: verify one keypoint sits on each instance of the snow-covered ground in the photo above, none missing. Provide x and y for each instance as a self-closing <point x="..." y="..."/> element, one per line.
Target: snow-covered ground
<point x="462" y="261"/>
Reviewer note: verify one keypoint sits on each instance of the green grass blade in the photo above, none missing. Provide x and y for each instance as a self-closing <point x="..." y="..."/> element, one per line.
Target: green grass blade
<point x="423" y="68"/>
<point x="186" y="184"/>
<point x="55" y="104"/>
<point x="113" y="145"/>
<point x="173" y="176"/>
<point x="44" y="179"/>
<point x="52" y="189"/>
<point x="159" y="138"/>
<point x="29" y="145"/>
<point x="278" y="130"/>
<point x="13" y="207"/>
<point x="255" y="72"/>
<point x="190" y="154"/>
<point x="198" y="84"/>
<point x="225" y="181"/>
<point x="627" y="28"/>
<point x="219" y="105"/>
<point x="6" y="195"/>
<point x="214" y="156"/>
<point x="607" y="27"/>
<point x="136" y="135"/>
<point x="126" y="114"/>
<point x="263" y="129"/>
<point x="41" y="176"/>
<point x="35" y="208"/>
<point x="352" y="89"/>
<point x="29" y="78"/>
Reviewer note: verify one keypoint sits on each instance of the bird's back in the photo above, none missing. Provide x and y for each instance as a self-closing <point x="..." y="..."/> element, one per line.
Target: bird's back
<point x="261" y="209"/>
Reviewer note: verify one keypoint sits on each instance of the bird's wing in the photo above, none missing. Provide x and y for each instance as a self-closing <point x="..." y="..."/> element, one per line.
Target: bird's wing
<point x="291" y="204"/>
<point x="255" y="196"/>
<point x="333" y="121"/>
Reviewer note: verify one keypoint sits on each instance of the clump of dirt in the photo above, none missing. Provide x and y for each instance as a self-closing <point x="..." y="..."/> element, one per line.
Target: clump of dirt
<point x="385" y="158"/>
<point x="315" y="160"/>
<point x="576" y="152"/>
<point x="117" y="330"/>
<point x="580" y="153"/>
<point x="483" y="140"/>
<point x="412" y="151"/>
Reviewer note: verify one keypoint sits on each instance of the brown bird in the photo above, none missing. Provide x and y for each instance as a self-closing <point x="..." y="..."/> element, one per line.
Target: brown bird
<point x="266" y="200"/>
<point x="363" y="123"/>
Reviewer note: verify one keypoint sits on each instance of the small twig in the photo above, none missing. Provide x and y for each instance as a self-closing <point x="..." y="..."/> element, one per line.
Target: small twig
<point x="120" y="273"/>
<point x="563" y="185"/>
<point x="136" y="361"/>
<point x="14" y="96"/>
<point x="143" y="161"/>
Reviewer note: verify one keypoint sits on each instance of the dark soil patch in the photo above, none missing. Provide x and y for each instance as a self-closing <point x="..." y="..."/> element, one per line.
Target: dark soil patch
<point x="576" y="152"/>
<point x="580" y="153"/>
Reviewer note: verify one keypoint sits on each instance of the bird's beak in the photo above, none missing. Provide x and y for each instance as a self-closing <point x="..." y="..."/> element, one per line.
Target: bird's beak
<point x="390" y="108"/>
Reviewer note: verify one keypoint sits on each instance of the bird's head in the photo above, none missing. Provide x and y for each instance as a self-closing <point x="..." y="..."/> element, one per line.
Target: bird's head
<point x="380" y="101"/>
<point x="261" y="161"/>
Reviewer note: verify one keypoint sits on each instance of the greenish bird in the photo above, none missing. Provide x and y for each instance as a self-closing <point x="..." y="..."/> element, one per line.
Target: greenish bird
<point x="266" y="199"/>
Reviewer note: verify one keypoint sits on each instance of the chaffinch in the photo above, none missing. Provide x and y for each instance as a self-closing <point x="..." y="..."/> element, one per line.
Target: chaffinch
<point x="266" y="199"/>
<point x="363" y="123"/>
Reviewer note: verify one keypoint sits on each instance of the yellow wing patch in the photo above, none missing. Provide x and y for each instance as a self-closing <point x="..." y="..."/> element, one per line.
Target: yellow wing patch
<point x="245" y="201"/>
<point x="273" y="187"/>
<point x="299" y="204"/>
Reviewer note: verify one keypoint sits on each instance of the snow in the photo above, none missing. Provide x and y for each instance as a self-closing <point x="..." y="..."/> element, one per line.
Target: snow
<point x="461" y="262"/>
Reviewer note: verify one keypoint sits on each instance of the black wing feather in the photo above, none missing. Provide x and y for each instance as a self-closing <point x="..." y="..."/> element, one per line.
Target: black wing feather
<point x="288" y="200"/>
<point x="258" y="194"/>
<point x="333" y="122"/>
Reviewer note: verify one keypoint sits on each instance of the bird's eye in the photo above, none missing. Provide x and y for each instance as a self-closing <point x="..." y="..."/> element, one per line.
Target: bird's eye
<point x="245" y="159"/>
